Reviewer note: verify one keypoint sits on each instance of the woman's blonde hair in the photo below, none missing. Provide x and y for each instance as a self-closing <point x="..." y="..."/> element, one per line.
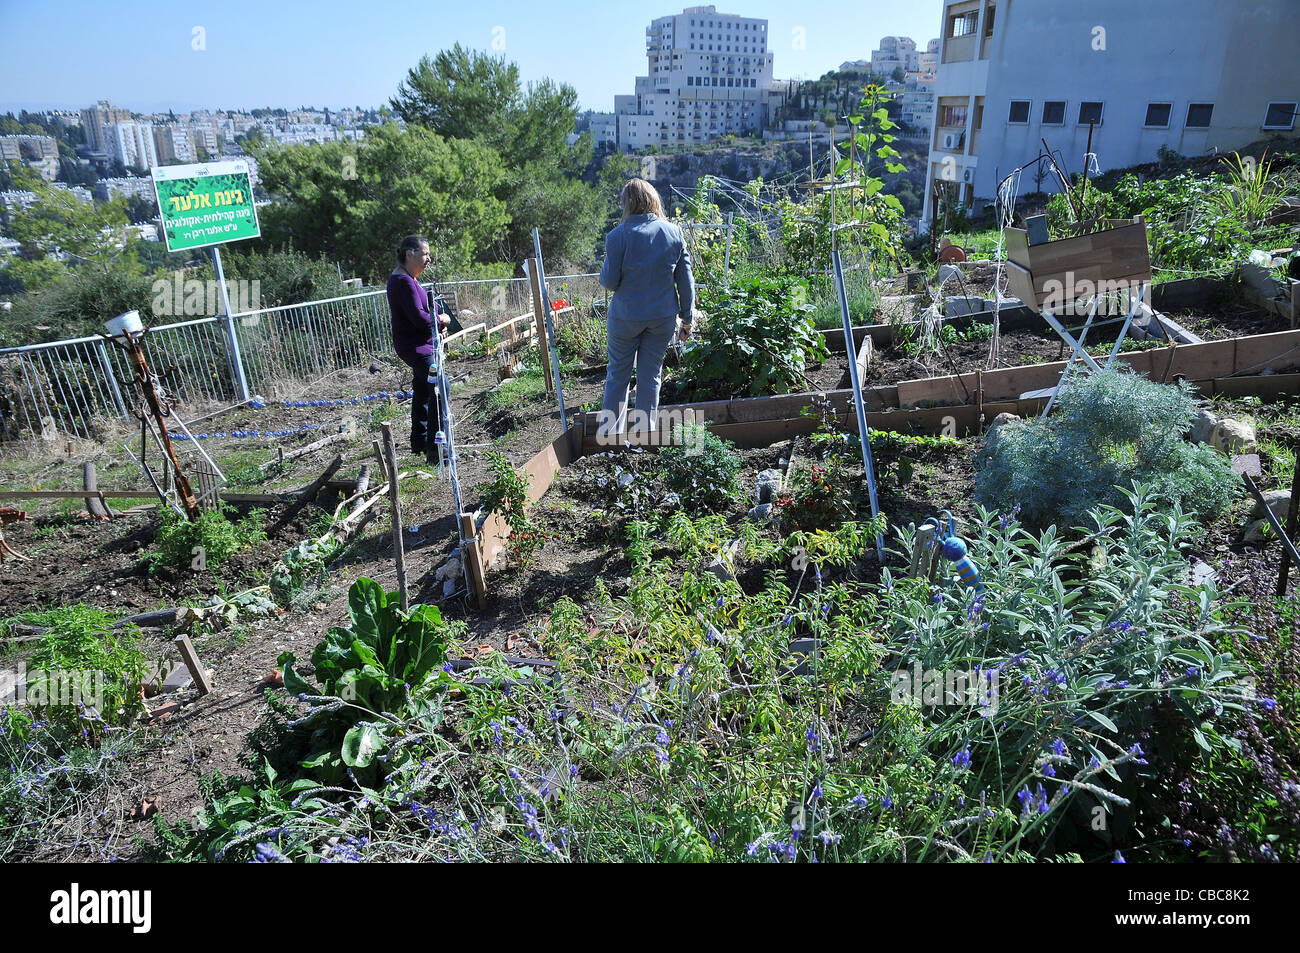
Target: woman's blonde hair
<point x="639" y="197"/>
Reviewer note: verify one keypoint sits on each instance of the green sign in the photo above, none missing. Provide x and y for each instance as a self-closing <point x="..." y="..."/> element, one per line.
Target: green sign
<point x="205" y="204"/>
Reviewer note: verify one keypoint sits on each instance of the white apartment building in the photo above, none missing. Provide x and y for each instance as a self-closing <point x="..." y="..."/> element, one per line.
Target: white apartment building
<point x="1194" y="76"/>
<point x="40" y="153"/>
<point x="140" y="186"/>
<point x="709" y="74"/>
<point x="131" y="143"/>
<point x="896" y="52"/>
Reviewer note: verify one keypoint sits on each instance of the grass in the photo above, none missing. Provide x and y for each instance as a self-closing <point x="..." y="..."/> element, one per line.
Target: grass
<point x="1281" y="461"/>
<point x="526" y="386"/>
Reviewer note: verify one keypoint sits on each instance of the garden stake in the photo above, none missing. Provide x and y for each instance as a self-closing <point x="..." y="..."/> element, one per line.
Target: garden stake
<point x="863" y="434"/>
<point x="395" y="507"/>
<point x="550" y="329"/>
<point x="1288" y="547"/>
<point x="1293" y="511"/>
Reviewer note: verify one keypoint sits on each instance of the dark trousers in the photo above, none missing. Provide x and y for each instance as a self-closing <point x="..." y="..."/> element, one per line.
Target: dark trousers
<point x="426" y="407"/>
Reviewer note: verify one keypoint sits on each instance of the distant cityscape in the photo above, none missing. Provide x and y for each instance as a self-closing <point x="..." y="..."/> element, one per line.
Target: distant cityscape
<point x="709" y="77"/>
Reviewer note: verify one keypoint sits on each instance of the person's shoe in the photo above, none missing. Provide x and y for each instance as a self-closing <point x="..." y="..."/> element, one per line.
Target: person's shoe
<point x="418" y="449"/>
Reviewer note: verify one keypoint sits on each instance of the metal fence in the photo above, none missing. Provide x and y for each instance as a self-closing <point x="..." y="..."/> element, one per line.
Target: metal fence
<point x="63" y="387"/>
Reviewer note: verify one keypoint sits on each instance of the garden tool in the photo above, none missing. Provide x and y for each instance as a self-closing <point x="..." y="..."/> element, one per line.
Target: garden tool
<point x="953" y="549"/>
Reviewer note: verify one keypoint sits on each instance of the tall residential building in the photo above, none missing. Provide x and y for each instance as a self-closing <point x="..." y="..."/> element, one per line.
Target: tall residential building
<point x="1013" y="72"/>
<point x="132" y="144"/>
<point x="928" y="62"/>
<point x="96" y="120"/>
<point x="173" y="143"/>
<point x="36" y="152"/>
<point x="709" y="74"/>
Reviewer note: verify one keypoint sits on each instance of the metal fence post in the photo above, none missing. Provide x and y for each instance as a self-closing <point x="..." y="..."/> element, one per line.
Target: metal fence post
<point x="228" y="327"/>
<point x="101" y="351"/>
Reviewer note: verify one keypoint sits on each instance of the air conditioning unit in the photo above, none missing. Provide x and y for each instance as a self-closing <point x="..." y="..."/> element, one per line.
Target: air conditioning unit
<point x="952" y="140"/>
<point x="968" y="175"/>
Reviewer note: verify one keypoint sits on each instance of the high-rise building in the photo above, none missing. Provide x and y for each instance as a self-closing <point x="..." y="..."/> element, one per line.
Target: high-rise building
<point x="131" y="143"/>
<point x="173" y="143"/>
<point x="709" y="74"/>
<point x="896" y="52"/>
<point x="96" y="120"/>
<point x="1015" y="72"/>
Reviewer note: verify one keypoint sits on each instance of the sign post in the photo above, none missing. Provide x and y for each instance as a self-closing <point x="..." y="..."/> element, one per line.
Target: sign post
<point x="206" y="204"/>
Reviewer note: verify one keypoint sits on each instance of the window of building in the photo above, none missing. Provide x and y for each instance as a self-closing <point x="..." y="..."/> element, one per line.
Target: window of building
<point x="963" y="24"/>
<point x="1089" y="113"/>
<point x="988" y="22"/>
<point x="1018" y="114"/>
<point x="1158" y="115"/>
<point x="1054" y="113"/>
<point x="1280" y="116"/>
<point x="1198" y="115"/>
<point x="952" y="116"/>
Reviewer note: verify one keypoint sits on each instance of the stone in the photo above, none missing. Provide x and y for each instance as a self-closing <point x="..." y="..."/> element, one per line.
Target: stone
<point x="801" y="653"/>
<point x="1257" y="533"/>
<point x="672" y="500"/>
<point x="722" y="565"/>
<point x="948" y="271"/>
<point x="448" y="588"/>
<point x="767" y="486"/>
<point x="1003" y="418"/>
<point x="957" y="305"/>
<point x="1202" y="427"/>
<point x="761" y="513"/>
<point x="1277" y="501"/>
<point x="1202" y="572"/>
<point x="1234" y="436"/>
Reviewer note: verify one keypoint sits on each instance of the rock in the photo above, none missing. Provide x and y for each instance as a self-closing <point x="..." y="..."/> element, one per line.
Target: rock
<point x="767" y="486"/>
<point x="448" y="588"/>
<point x="761" y="513"/>
<point x="672" y="500"/>
<point x="179" y="678"/>
<point x="1003" y="418"/>
<point x="1277" y="501"/>
<point x="957" y="305"/>
<point x="448" y="570"/>
<point x="1202" y="427"/>
<point x="1202" y="573"/>
<point x="1257" y="533"/>
<point x="1234" y="436"/>
<point x="800" y="654"/>
<point x="723" y="564"/>
<point x="948" y="271"/>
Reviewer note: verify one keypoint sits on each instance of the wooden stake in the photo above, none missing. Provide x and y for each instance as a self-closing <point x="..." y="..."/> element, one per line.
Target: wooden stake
<point x="395" y="506"/>
<point x="921" y="547"/>
<point x="94" y="505"/>
<point x="310" y="448"/>
<point x="539" y="313"/>
<point x="182" y="643"/>
<point x="979" y="402"/>
<point x="379" y="457"/>
<point x="363" y="484"/>
<point x="474" y="557"/>
<point x="1292" y="513"/>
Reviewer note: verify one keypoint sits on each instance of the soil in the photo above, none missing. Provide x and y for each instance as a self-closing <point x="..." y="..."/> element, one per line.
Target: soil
<point x="77" y="560"/>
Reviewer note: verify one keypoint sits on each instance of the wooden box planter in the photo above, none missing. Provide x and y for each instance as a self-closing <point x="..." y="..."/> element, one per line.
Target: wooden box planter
<point x="1115" y="254"/>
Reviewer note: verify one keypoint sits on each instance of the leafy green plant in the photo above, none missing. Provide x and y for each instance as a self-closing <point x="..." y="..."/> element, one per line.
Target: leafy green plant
<point x="703" y="472"/>
<point x="375" y="667"/>
<point x="214" y="536"/>
<point x="301" y="569"/>
<point x="506" y="493"/>
<point x="821" y="497"/>
<point x="1250" y="192"/>
<point x="85" y="675"/>
<point x="757" y="340"/>
<point x="1110" y="428"/>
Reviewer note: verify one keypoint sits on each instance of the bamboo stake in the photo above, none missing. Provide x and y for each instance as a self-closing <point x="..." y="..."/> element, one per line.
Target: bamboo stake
<point x="395" y="506"/>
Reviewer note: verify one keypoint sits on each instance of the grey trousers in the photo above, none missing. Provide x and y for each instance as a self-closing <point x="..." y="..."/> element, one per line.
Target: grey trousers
<point x="645" y="343"/>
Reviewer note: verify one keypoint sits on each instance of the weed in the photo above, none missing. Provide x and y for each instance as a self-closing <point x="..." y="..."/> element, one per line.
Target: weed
<point x="206" y="542"/>
<point x="506" y="493"/>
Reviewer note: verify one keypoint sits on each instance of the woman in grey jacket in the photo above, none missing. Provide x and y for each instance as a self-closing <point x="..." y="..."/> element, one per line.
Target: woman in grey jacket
<point x="648" y="268"/>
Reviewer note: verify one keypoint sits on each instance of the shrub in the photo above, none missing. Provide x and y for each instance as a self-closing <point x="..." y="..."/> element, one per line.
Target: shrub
<point x="85" y="676"/>
<point x="1111" y="428"/>
<point x="703" y="473"/>
<point x="213" y="537"/>
<point x="507" y="494"/>
<point x="757" y="340"/>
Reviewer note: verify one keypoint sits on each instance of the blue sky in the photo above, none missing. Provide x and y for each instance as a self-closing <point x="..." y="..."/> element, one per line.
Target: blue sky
<point x="140" y="55"/>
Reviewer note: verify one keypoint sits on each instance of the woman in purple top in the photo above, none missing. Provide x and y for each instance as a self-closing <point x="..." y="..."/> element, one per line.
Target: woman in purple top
<point x="412" y="316"/>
